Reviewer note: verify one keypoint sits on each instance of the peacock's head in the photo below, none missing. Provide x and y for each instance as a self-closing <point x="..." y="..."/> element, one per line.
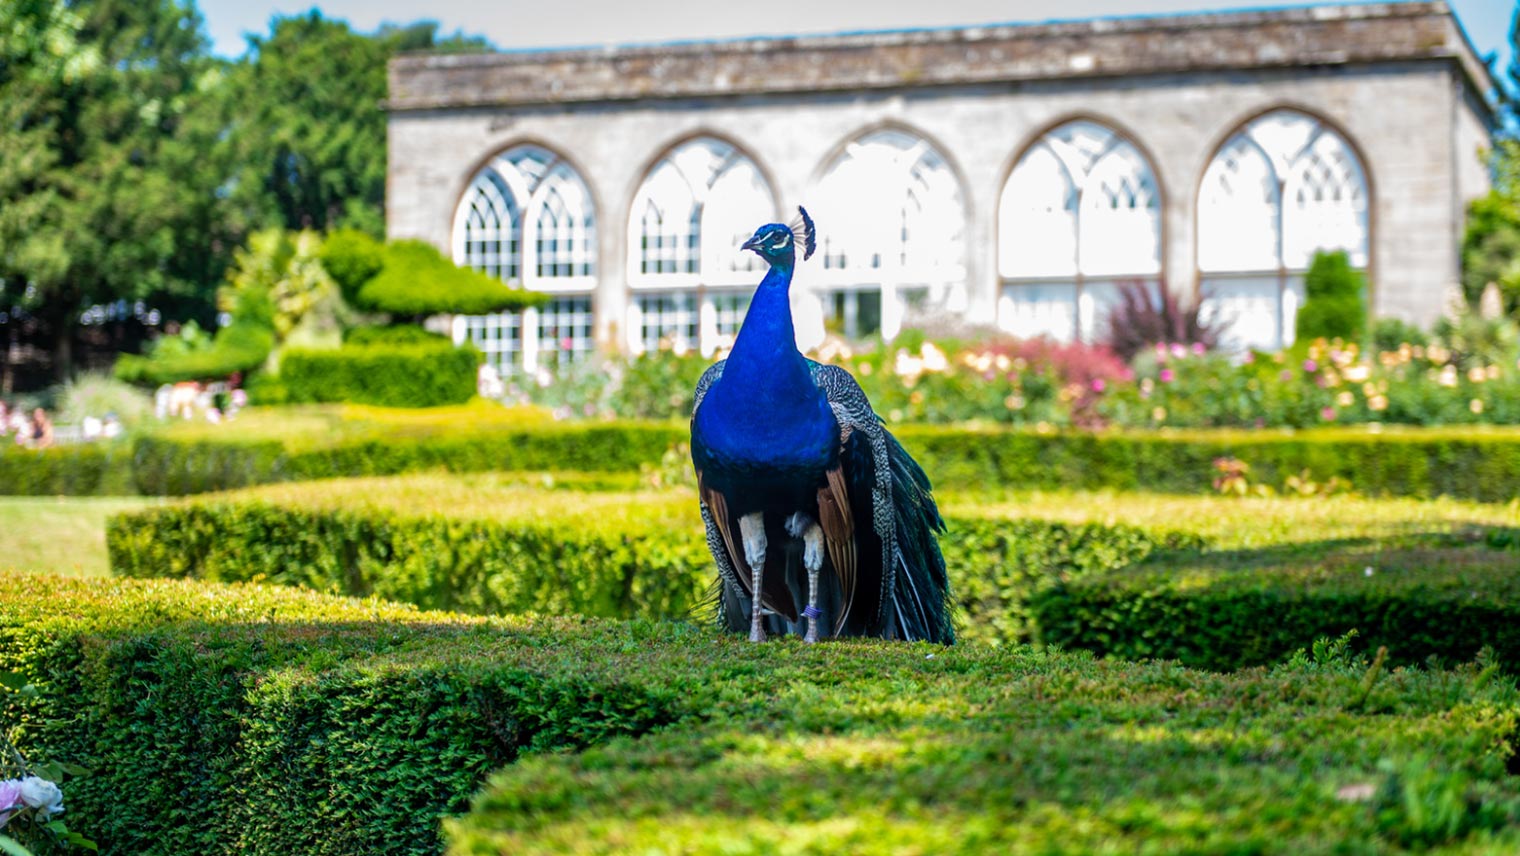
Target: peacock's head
<point x="777" y="243"/>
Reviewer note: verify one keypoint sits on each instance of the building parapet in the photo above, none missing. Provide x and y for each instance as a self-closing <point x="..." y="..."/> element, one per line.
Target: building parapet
<point x="1341" y="35"/>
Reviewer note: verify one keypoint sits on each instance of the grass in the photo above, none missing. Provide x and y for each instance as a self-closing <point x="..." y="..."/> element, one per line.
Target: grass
<point x="59" y="535"/>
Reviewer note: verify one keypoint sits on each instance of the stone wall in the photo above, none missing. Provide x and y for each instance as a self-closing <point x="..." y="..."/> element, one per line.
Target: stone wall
<point x="1414" y="122"/>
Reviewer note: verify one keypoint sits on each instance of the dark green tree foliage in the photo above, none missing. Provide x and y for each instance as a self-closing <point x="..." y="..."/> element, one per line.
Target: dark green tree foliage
<point x="417" y="281"/>
<point x="109" y="194"/>
<point x="1335" y="306"/>
<point x="309" y="123"/>
<point x="1491" y="239"/>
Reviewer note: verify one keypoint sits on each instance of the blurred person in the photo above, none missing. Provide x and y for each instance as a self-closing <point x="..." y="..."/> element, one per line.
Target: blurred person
<point x="42" y="429"/>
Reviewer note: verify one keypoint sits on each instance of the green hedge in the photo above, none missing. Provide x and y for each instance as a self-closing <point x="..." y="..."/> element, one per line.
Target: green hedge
<point x="1464" y="463"/>
<point x="608" y="561"/>
<point x="92" y="469"/>
<point x="417" y="375"/>
<point x="1467" y="463"/>
<point x="254" y="720"/>
<point x="221" y="720"/>
<point x="172" y="467"/>
<point x="1442" y="596"/>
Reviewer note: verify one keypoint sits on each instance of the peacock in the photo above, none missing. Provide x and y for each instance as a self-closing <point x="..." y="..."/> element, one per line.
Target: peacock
<point x="814" y="512"/>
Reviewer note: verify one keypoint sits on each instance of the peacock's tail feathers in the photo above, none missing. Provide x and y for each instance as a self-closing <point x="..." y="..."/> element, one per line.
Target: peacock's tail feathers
<point x="921" y="590"/>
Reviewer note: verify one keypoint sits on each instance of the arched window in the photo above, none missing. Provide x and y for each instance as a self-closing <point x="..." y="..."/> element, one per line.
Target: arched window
<point x="691" y="282"/>
<point x="527" y="217"/>
<point x="1080" y="214"/>
<point x="891" y="222"/>
<point x="1280" y="189"/>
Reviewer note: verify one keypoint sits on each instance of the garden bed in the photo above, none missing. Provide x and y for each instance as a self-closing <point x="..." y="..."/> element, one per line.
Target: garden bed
<point x="258" y="720"/>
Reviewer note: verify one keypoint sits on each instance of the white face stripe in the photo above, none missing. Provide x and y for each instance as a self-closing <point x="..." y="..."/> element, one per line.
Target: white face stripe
<point x="784" y="242"/>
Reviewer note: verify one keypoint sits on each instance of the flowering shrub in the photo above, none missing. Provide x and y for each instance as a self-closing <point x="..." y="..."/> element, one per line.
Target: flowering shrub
<point x="1462" y="379"/>
<point x="1324" y="383"/>
<point x="30" y="800"/>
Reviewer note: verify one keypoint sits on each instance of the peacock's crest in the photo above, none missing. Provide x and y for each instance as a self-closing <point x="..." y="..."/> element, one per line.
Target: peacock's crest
<point x="807" y="234"/>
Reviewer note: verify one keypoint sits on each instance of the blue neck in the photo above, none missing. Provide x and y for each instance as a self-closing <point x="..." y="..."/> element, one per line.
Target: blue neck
<point x="765" y="354"/>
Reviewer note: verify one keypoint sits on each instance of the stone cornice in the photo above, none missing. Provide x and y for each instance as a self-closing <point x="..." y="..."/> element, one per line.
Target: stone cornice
<point x="1101" y="48"/>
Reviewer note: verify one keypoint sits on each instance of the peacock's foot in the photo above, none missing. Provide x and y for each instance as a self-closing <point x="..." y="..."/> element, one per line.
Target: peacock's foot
<point x="812" y="614"/>
<point x="756" y="633"/>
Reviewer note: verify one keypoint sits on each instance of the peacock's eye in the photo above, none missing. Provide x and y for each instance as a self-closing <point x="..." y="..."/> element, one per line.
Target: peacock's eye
<point x="782" y="241"/>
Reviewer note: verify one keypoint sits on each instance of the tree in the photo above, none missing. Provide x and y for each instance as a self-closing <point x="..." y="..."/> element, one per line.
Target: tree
<point x="99" y="203"/>
<point x="309" y="126"/>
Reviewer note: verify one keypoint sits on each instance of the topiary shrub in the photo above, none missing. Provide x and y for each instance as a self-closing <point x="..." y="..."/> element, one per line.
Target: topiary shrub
<point x="396" y="334"/>
<point x="240" y="347"/>
<point x="418" y="281"/>
<point x="1335" y="306"/>
<point x="420" y="375"/>
<point x="352" y="258"/>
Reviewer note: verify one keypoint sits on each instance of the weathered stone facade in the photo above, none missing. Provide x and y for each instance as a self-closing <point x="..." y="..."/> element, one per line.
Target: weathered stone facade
<point x="1398" y="82"/>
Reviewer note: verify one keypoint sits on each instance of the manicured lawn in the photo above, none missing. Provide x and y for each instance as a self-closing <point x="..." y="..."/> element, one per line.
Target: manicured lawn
<point x="59" y="535"/>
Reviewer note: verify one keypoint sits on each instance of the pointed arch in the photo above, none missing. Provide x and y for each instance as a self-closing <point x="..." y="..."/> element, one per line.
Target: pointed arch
<point x="1282" y="186"/>
<point x="696" y="204"/>
<point x="892" y="215"/>
<point x="1079" y="213"/>
<point x="528" y="217"/>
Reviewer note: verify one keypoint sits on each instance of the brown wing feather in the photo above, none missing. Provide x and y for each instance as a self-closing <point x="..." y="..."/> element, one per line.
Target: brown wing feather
<point x="718" y="505"/>
<point x="839" y="537"/>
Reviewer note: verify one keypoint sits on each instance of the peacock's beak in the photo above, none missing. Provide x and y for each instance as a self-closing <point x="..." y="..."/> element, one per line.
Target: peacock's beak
<point x="752" y="244"/>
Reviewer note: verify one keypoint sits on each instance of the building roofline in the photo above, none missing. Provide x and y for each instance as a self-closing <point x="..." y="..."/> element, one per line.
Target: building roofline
<point x="1306" y="36"/>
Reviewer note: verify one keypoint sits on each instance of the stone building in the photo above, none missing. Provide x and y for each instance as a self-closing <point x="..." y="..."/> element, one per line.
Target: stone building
<point x="1011" y="175"/>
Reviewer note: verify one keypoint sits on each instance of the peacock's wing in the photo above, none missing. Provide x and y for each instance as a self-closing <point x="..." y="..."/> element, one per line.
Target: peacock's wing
<point x="715" y="518"/>
<point x="887" y="558"/>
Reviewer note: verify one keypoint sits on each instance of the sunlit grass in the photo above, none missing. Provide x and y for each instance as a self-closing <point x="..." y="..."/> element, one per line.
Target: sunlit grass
<point x="59" y="535"/>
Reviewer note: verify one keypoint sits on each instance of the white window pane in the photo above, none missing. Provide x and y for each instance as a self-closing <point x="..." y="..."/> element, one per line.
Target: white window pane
<point x="1032" y="310"/>
<point x="890" y="206"/>
<point x="1326" y="204"/>
<point x="1247" y="308"/>
<point x="1237" y="210"/>
<point x="1120" y="216"/>
<point x="669" y="321"/>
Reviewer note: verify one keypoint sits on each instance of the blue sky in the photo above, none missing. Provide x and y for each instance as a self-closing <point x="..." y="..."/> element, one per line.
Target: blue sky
<point x="516" y="24"/>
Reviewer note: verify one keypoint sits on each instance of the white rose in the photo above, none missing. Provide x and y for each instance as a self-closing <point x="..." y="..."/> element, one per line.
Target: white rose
<point x="42" y="795"/>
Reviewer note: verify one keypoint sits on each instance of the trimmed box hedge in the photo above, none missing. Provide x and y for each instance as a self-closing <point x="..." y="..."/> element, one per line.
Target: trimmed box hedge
<point x="93" y="469"/>
<point x="1420" y="596"/>
<point x="1471" y="463"/>
<point x="493" y="545"/>
<point x="1214" y="582"/>
<point x="1468" y="462"/>
<point x="387" y="375"/>
<point x="254" y="720"/>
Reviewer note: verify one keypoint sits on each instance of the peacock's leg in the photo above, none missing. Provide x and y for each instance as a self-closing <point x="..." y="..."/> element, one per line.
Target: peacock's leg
<point x="752" y="530"/>
<point x="801" y="526"/>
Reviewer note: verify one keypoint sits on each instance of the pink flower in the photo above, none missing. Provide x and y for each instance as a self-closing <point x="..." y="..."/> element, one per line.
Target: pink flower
<point x="1285" y="376"/>
<point x="1250" y="358"/>
<point x="10" y="798"/>
<point x="1311" y="366"/>
<point x="1178" y="350"/>
<point x="1098" y="384"/>
<point x="1167" y="375"/>
<point x="1198" y="349"/>
<point x="1327" y="414"/>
